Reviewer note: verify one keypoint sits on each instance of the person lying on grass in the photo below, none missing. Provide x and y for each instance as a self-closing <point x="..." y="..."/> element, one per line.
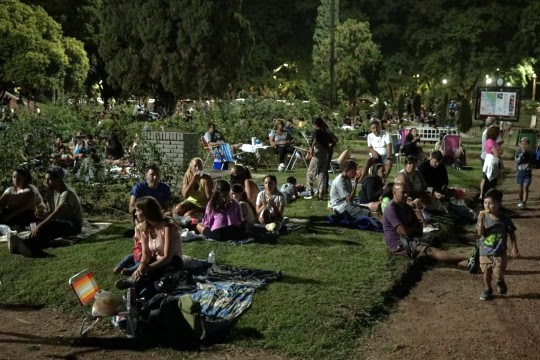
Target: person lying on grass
<point x="161" y="246"/>
<point x="223" y="216"/>
<point x="403" y="232"/>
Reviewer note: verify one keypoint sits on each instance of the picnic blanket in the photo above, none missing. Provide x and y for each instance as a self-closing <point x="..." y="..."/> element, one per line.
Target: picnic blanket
<point x="257" y="234"/>
<point x="88" y="229"/>
<point x="360" y="223"/>
<point x="224" y="292"/>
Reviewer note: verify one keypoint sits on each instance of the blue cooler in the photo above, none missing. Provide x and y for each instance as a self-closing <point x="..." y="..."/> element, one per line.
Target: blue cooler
<point x="217" y="165"/>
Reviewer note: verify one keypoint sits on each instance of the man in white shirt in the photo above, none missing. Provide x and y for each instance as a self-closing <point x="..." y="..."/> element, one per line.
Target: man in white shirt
<point x="490" y="120"/>
<point x="380" y="145"/>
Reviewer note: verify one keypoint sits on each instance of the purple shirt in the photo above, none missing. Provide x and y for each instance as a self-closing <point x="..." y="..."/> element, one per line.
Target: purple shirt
<point x="217" y="220"/>
<point x="395" y="215"/>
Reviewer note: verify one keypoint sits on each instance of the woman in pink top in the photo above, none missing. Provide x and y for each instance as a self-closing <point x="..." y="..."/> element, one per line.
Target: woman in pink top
<point x="161" y="246"/>
<point x="223" y="217"/>
<point x="491" y="166"/>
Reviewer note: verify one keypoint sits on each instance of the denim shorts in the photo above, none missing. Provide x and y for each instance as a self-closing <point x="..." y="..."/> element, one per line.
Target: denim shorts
<point x="524" y="177"/>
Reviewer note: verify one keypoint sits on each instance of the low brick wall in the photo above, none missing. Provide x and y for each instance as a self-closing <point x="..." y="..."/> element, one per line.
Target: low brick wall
<point x="177" y="148"/>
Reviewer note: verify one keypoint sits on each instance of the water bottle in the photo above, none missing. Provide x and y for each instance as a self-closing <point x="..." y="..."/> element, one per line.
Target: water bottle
<point x="212" y="257"/>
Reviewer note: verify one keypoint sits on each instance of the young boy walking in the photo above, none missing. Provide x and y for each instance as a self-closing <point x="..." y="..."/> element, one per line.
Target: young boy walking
<point x="494" y="228"/>
<point x="524" y="158"/>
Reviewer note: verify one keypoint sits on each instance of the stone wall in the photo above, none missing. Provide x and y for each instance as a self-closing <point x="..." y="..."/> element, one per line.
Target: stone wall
<point x="177" y="148"/>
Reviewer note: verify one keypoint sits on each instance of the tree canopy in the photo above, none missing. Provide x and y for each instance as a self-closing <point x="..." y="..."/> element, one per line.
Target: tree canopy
<point x="33" y="52"/>
<point x="180" y="47"/>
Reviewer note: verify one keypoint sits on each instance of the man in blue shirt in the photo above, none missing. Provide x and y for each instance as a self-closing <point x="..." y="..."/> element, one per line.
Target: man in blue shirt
<point x="151" y="186"/>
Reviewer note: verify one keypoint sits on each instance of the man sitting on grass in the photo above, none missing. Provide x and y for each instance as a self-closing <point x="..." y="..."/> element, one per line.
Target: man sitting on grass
<point x="343" y="191"/>
<point x="403" y="232"/>
<point x="63" y="217"/>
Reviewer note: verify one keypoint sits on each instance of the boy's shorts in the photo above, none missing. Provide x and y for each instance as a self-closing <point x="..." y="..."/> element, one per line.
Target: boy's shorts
<point x="524" y="178"/>
<point x="493" y="262"/>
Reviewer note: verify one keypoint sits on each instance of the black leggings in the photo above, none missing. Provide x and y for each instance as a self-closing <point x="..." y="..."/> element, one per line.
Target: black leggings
<point x="283" y="150"/>
<point x="232" y="232"/>
<point x="488" y="185"/>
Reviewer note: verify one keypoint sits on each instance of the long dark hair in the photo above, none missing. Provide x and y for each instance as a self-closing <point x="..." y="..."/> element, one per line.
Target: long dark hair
<point x="238" y="189"/>
<point x="242" y="174"/>
<point x="114" y="147"/>
<point x="221" y="198"/>
<point x="26" y="174"/>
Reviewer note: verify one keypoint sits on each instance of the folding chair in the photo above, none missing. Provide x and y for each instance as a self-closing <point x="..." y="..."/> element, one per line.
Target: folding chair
<point x="207" y="149"/>
<point x="298" y="153"/>
<point x="85" y="287"/>
<point x="450" y="145"/>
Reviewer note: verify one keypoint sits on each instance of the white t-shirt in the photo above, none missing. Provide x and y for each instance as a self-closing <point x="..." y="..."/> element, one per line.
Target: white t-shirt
<point x="264" y="198"/>
<point x="378" y="143"/>
<point x="16" y="202"/>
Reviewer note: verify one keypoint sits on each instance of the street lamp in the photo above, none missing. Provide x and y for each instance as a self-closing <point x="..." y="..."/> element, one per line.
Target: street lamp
<point x="534" y="86"/>
<point x="444" y="81"/>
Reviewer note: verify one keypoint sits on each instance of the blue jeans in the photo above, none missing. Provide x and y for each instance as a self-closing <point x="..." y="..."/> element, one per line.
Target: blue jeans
<point x="129" y="264"/>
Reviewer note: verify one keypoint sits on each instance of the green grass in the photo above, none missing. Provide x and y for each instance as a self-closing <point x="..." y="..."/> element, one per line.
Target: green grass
<point x="336" y="281"/>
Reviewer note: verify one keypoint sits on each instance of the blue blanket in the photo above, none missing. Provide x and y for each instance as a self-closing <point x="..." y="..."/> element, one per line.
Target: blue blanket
<point x="360" y="223"/>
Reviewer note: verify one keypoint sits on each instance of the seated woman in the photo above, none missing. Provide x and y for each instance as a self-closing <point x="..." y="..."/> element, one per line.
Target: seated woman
<point x="372" y="187"/>
<point x="270" y="202"/>
<point x="281" y="140"/>
<point x="248" y="210"/>
<point x="412" y="141"/>
<point x="223" y="216"/>
<point x="161" y="247"/>
<point x="114" y="150"/>
<point x="19" y="202"/>
<point x="242" y="176"/>
<point x="415" y="181"/>
<point x="196" y="189"/>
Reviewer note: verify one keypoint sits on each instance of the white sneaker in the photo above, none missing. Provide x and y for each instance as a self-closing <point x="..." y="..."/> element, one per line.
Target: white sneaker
<point x="521" y="205"/>
<point x="429" y="228"/>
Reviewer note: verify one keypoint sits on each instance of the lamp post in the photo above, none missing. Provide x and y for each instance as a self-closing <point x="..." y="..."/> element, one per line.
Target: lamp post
<point x="534" y="86"/>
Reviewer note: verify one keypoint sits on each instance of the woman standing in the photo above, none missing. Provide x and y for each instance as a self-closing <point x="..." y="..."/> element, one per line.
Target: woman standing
<point x="321" y="144"/>
<point x="223" y="216"/>
<point x="492" y="164"/>
<point x="196" y="189"/>
<point x="281" y="140"/>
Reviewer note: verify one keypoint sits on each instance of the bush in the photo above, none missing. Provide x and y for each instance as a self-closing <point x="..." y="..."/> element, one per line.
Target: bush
<point x="529" y="107"/>
<point x="401" y="105"/>
<point x="417" y="104"/>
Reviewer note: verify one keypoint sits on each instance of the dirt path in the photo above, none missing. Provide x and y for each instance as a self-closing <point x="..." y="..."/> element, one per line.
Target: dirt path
<point x="443" y="318"/>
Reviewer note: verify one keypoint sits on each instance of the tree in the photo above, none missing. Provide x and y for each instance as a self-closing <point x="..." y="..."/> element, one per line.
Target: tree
<point x="33" y="53"/>
<point x="464" y="121"/>
<point x="401" y="105"/>
<point x="417" y="104"/>
<point x="358" y="61"/>
<point x="198" y="49"/>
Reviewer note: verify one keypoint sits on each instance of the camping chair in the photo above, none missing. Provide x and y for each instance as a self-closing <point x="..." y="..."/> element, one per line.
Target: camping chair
<point x="85" y="287"/>
<point x="299" y="153"/>
<point x="450" y="145"/>
<point x="221" y="153"/>
<point x="207" y="149"/>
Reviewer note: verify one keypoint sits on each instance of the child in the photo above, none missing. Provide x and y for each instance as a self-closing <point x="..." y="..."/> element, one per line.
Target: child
<point x="131" y="262"/>
<point x="248" y="210"/>
<point x="270" y="204"/>
<point x="493" y="228"/>
<point x="289" y="189"/>
<point x="524" y="163"/>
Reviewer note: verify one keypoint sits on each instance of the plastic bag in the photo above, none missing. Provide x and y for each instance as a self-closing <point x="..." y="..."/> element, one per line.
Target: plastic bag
<point x="107" y="303"/>
<point x="4" y="230"/>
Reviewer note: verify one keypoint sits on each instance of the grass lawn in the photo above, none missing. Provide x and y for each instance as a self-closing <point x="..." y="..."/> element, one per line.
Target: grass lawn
<point x="336" y="281"/>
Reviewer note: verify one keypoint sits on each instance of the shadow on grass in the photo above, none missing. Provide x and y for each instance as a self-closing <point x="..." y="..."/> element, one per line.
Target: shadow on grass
<point x="115" y="231"/>
<point x="21" y="307"/>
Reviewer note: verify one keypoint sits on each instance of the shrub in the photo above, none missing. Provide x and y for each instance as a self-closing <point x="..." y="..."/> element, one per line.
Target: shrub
<point x="417" y="104"/>
<point x="401" y="105"/>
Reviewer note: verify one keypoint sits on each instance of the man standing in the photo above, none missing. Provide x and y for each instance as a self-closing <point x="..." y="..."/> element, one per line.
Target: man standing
<point x="434" y="173"/>
<point x="151" y="186"/>
<point x="380" y="145"/>
<point x="403" y="232"/>
<point x="490" y="121"/>
<point x="343" y="191"/>
<point x="63" y="217"/>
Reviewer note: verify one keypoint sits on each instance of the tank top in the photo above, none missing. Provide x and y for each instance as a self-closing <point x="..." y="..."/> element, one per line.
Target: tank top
<point x="198" y="197"/>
